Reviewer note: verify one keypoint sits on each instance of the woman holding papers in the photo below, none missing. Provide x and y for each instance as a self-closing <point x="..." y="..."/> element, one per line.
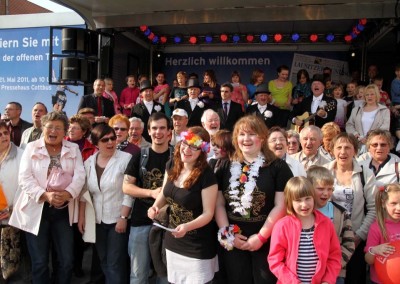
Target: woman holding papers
<point x="190" y="189"/>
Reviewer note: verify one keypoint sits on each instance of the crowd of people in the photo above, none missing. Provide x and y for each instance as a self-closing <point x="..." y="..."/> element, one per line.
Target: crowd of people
<point x="207" y="182"/>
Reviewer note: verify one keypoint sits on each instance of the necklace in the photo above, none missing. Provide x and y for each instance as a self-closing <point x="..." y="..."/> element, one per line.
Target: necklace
<point x="52" y="148"/>
<point x="243" y="177"/>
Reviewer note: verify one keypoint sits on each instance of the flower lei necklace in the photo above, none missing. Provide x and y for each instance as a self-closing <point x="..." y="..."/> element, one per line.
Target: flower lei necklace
<point x="245" y="176"/>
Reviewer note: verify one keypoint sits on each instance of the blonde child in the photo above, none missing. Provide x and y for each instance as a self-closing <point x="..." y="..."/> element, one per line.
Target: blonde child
<point x="304" y="246"/>
<point x="386" y="228"/>
<point x="322" y="181"/>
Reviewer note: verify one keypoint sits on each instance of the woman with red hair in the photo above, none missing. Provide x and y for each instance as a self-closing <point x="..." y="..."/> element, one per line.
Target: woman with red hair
<point x="190" y="189"/>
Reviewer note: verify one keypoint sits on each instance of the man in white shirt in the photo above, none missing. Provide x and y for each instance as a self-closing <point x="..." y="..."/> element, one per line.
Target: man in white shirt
<point x="179" y="122"/>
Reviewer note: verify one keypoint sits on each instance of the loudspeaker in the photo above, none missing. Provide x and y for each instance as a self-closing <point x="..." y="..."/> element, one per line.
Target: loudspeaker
<point x="73" y="40"/>
<point x="74" y="69"/>
<point x="106" y="61"/>
<point x="79" y="41"/>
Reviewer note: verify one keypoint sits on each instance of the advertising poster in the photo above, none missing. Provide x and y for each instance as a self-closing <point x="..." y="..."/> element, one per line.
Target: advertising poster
<point x="24" y="72"/>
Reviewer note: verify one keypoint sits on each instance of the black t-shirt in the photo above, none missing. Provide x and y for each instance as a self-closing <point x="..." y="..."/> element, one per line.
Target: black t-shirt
<point x="152" y="178"/>
<point x="271" y="179"/>
<point x="185" y="206"/>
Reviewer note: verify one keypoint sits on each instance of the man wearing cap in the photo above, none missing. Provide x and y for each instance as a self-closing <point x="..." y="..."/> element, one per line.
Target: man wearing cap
<point x="322" y="106"/>
<point x="229" y="111"/>
<point x="264" y="109"/>
<point x="192" y="105"/>
<point x="179" y="121"/>
<point x="103" y="108"/>
<point x="147" y="106"/>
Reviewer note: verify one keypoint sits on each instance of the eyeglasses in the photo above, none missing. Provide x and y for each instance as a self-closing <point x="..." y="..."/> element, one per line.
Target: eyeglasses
<point x="4" y="133"/>
<point x="52" y="128"/>
<point x="375" y="145"/>
<point x="191" y="147"/>
<point x="120" y="128"/>
<point x="75" y="128"/>
<point x="292" y="143"/>
<point x="107" y="139"/>
<point x="274" y="140"/>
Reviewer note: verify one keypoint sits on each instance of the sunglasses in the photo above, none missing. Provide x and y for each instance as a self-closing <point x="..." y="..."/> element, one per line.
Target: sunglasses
<point x="107" y="139"/>
<point x="4" y="133"/>
<point x="120" y="128"/>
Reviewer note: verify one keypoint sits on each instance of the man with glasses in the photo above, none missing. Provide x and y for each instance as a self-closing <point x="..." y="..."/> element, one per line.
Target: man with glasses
<point x="143" y="181"/>
<point x="16" y="125"/>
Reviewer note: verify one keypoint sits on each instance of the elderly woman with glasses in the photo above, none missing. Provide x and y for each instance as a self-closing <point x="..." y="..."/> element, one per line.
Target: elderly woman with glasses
<point x="190" y="188"/>
<point x="384" y="165"/>
<point x="120" y="123"/>
<point x="45" y="210"/>
<point x="78" y="131"/>
<point x="105" y="173"/>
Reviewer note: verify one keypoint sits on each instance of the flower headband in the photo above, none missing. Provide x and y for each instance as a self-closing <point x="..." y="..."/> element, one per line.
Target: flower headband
<point x="195" y="140"/>
<point x="382" y="188"/>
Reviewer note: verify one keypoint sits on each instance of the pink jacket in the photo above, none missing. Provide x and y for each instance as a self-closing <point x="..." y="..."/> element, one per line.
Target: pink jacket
<point x="35" y="161"/>
<point x="283" y="252"/>
<point x="128" y="96"/>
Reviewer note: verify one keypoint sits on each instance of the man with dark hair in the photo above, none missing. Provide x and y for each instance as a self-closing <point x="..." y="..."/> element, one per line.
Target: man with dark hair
<point x="143" y="180"/>
<point x="229" y="111"/>
<point x="35" y="132"/>
<point x="103" y="108"/>
<point x="16" y="125"/>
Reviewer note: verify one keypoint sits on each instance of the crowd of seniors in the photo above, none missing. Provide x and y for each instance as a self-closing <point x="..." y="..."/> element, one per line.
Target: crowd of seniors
<point x="221" y="181"/>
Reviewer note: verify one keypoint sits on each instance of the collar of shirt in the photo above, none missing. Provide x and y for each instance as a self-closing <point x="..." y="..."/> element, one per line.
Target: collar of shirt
<point x="309" y="158"/>
<point x="193" y="101"/>
<point x="319" y="98"/>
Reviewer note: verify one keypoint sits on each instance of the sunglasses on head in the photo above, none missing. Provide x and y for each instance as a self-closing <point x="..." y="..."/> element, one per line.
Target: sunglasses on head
<point x="106" y="139"/>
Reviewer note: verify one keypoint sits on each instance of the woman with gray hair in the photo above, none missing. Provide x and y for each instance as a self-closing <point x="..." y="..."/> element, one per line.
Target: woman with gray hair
<point x="45" y="206"/>
<point x="384" y="165"/>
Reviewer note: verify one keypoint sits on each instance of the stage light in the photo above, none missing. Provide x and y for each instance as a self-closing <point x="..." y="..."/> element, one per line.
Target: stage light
<point x="163" y="39"/>
<point x="155" y="39"/>
<point x="313" y="37"/>
<point x="143" y="28"/>
<point x="330" y="37"/>
<point x="193" y="40"/>
<point x="363" y="21"/>
<point x="147" y="32"/>
<point x="151" y="36"/>
<point x="353" y="54"/>
<point x="177" y="39"/>
<point x="223" y="37"/>
<point x="295" y="37"/>
<point x="249" y="38"/>
<point x="208" y="39"/>
<point x="353" y="35"/>
<point x="360" y="27"/>
<point x="278" y="37"/>
<point x="356" y="31"/>
<point x="263" y="37"/>
<point x="348" y="38"/>
<point x="236" y="38"/>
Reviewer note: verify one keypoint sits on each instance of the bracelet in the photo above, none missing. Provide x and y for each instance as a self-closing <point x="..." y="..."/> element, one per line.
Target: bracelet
<point x="261" y="238"/>
<point x="370" y="250"/>
<point x="123" y="217"/>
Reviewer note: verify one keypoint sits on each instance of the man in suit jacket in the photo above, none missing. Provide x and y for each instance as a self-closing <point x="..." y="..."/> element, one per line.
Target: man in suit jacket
<point x="263" y="109"/>
<point x="229" y="111"/>
<point x="192" y="105"/>
<point x="147" y="107"/>
<point x="103" y="108"/>
<point x="312" y="104"/>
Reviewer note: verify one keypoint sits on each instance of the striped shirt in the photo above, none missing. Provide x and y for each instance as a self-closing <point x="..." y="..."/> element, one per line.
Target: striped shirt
<point x="307" y="258"/>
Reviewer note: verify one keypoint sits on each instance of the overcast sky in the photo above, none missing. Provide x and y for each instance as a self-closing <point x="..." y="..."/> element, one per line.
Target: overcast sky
<point x="49" y="5"/>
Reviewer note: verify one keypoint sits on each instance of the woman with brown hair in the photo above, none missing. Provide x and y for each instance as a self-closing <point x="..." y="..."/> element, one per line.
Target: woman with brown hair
<point x="250" y="197"/>
<point x="211" y="93"/>
<point x="257" y="78"/>
<point x="190" y="188"/>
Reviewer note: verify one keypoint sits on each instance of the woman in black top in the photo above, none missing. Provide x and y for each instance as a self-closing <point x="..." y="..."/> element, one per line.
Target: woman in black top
<point x="190" y="188"/>
<point x="250" y="201"/>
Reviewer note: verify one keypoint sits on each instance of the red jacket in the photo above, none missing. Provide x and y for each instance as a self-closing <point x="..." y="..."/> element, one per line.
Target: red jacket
<point x="284" y="248"/>
<point x="88" y="149"/>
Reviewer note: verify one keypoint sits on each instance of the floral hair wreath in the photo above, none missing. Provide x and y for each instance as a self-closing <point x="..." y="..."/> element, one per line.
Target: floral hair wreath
<point x="195" y="140"/>
<point x="382" y="188"/>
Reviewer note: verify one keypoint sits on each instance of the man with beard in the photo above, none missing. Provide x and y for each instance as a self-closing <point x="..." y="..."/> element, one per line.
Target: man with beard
<point x="143" y="181"/>
<point x="321" y="106"/>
